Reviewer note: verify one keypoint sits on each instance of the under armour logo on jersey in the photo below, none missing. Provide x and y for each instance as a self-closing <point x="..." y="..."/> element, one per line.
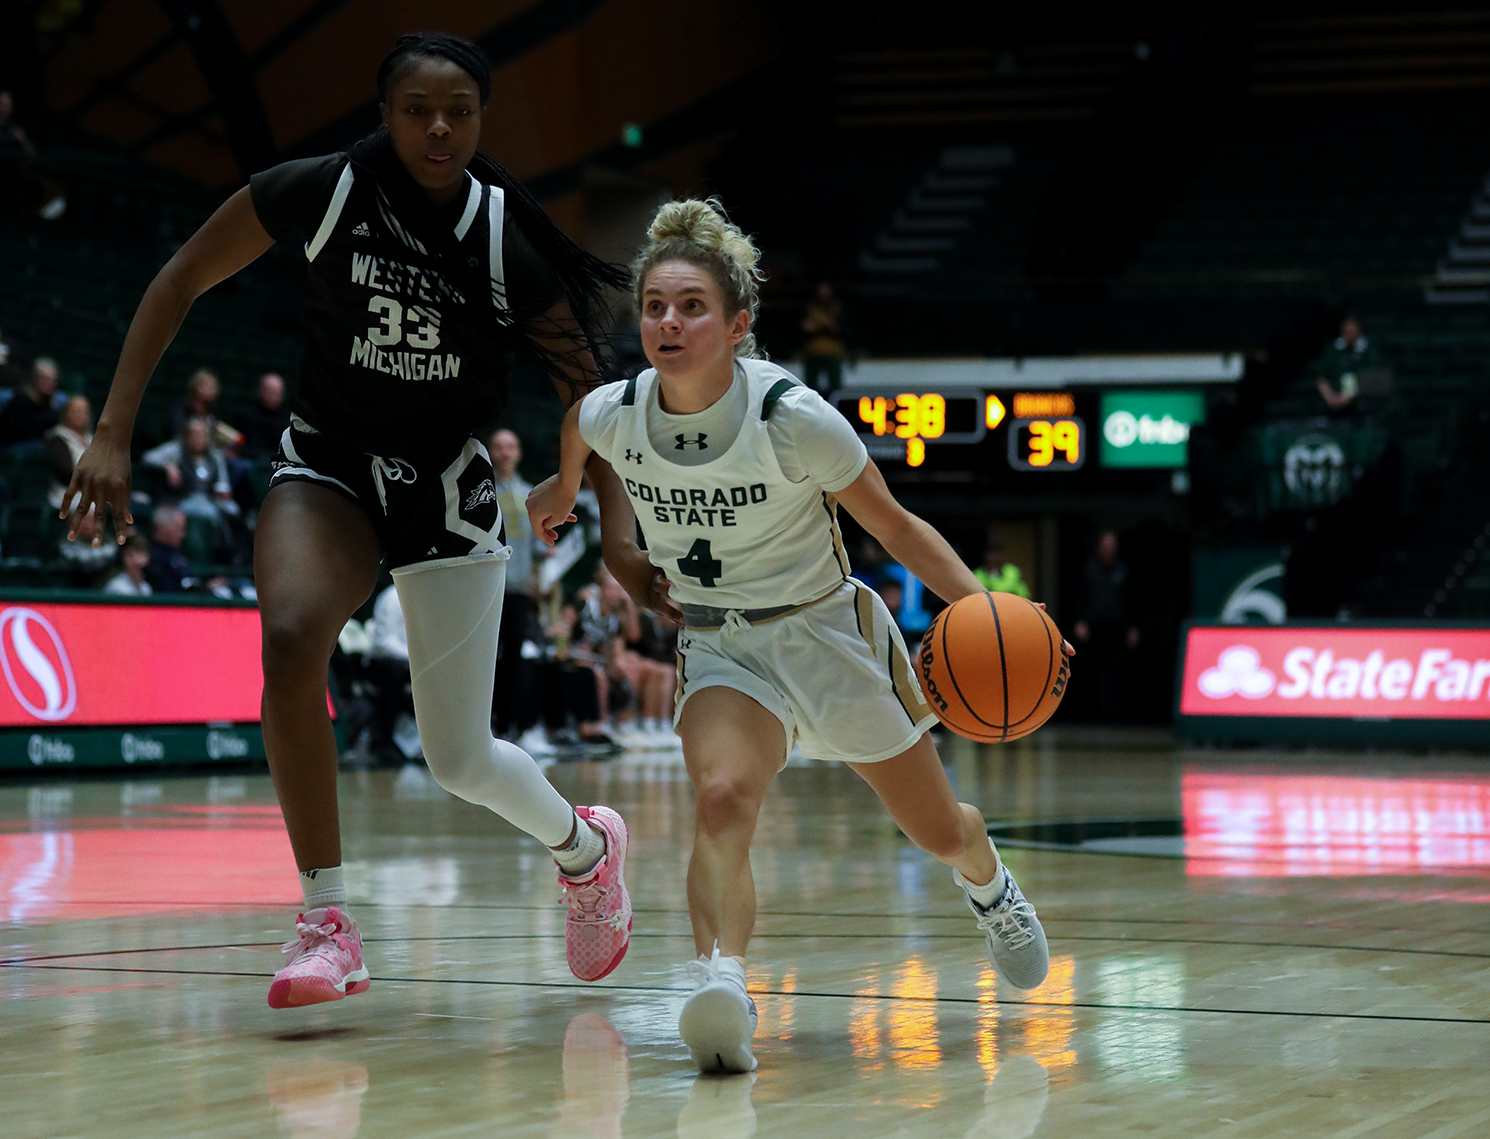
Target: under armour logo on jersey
<point x="683" y="442"/>
<point x="635" y="456"/>
<point x="362" y="230"/>
<point x="486" y="492"/>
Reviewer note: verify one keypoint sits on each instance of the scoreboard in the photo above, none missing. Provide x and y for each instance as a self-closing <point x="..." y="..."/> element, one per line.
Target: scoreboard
<point x="971" y="430"/>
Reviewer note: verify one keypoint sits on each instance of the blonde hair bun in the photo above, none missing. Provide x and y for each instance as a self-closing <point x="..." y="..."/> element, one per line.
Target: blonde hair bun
<point x="698" y="232"/>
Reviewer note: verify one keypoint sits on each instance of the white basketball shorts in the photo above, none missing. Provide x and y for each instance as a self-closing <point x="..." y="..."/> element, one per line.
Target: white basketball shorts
<point x="836" y="674"/>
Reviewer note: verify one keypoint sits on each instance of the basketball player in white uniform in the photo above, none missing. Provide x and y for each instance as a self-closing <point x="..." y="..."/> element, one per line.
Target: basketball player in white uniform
<point x="735" y="473"/>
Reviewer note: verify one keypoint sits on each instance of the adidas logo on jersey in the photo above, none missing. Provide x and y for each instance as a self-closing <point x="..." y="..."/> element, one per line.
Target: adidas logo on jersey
<point x="683" y="442"/>
<point x="486" y="492"/>
<point x="362" y="230"/>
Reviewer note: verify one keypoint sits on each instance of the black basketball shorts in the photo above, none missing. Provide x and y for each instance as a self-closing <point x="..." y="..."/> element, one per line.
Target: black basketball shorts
<point x="440" y="503"/>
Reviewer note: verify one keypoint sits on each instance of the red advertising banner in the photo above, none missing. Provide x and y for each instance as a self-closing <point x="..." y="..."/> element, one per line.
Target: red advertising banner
<point x="1343" y="672"/>
<point x="64" y="666"/>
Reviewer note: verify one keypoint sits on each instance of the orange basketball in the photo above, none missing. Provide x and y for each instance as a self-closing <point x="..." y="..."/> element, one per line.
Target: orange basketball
<point x="992" y="668"/>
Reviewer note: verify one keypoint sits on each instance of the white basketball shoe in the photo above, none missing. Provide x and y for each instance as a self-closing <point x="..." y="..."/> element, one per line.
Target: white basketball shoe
<point x="1016" y="940"/>
<point x="719" y="1018"/>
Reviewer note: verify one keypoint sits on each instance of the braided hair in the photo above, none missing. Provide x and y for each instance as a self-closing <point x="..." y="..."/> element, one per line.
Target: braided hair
<point x="582" y="276"/>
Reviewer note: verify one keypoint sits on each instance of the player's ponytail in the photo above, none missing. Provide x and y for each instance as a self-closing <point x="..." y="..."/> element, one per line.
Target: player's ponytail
<point x="699" y="233"/>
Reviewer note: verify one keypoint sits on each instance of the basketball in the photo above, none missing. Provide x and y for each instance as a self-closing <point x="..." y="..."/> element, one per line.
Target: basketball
<point x="992" y="668"/>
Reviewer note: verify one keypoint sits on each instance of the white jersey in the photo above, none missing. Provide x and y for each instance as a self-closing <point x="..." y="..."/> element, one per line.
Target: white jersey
<point x="734" y="532"/>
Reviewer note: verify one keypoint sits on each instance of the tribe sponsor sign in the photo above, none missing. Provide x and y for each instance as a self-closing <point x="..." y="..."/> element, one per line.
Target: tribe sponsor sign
<point x="1390" y="673"/>
<point x="70" y="666"/>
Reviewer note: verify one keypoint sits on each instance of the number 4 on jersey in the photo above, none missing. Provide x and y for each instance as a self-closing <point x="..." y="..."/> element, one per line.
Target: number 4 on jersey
<point x="701" y="563"/>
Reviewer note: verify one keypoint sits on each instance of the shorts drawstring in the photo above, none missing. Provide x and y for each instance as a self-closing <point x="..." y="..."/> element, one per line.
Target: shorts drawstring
<point x="734" y="622"/>
<point x="393" y="471"/>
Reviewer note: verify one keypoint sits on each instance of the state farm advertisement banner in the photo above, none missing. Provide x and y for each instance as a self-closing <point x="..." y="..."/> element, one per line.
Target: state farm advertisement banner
<point x="85" y="665"/>
<point x="1337" y="671"/>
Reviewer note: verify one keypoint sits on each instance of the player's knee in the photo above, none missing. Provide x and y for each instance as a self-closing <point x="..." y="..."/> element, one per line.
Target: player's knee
<point x="723" y="802"/>
<point x="453" y="767"/>
<point x="293" y="641"/>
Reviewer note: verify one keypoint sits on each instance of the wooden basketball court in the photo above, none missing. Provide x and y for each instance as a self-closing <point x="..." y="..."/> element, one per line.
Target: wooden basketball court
<point x="1243" y="944"/>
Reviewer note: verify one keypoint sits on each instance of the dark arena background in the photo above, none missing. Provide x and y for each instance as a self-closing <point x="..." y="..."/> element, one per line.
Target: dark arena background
<point x="1175" y="317"/>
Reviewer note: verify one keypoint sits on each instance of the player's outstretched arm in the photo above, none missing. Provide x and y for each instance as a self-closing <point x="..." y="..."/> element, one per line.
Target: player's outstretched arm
<point x="911" y="541"/>
<point x="230" y="239"/>
<point x="551" y="502"/>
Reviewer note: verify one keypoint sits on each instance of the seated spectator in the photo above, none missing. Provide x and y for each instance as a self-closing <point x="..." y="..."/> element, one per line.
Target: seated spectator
<point x="135" y="561"/>
<point x="264" y="421"/>
<point x="27" y="416"/>
<point x="649" y="662"/>
<point x="200" y="401"/>
<point x="169" y="571"/>
<point x="1343" y="367"/>
<point x="195" y="472"/>
<point x="65" y="443"/>
<point x="998" y="574"/>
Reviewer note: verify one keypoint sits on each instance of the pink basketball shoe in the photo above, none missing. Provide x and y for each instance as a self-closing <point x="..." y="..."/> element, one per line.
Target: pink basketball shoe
<point x="325" y="961"/>
<point x="598" y="928"/>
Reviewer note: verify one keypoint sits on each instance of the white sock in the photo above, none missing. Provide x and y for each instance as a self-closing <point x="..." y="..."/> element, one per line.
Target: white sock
<point x="323" y="888"/>
<point x="988" y="894"/>
<point x="583" y="852"/>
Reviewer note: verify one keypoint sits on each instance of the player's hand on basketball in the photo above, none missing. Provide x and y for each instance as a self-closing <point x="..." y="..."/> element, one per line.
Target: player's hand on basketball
<point x="550" y="505"/>
<point x="100" y="480"/>
<point x="1065" y="644"/>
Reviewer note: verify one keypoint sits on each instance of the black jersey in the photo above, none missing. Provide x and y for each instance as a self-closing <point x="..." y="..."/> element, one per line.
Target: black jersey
<point x="395" y="361"/>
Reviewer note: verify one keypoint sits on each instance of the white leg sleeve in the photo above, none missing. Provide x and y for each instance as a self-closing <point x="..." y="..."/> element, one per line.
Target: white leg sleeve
<point x="452" y="609"/>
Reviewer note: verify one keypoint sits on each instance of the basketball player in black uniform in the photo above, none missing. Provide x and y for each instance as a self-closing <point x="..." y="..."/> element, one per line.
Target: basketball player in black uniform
<point x="431" y="273"/>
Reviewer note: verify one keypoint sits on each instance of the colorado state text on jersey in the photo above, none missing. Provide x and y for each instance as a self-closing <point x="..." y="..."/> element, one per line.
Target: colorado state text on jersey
<point x="696" y="506"/>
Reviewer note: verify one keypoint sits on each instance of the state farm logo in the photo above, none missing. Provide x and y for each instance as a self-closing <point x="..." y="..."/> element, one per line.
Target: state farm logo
<point x="1238" y="672"/>
<point x="36" y="665"/>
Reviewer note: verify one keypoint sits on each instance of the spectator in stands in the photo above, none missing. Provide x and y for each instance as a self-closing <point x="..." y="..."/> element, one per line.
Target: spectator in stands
<point x="200" y="402"/>
<point x="195" y="473"/>
<point x="28" y="416"/>
<point x="1343" y="365"/>
<point x="822" y="355"/>
<point x="265" y="420"/>
<point x="998" y="573"/>
<point x="911" y="613"/>
<point x="514" y="709"/>
<point x="169" y="571"/>
<point x="65" y="443"/>
<point x="22" y="183"/>
<point x="1105" y="632"/>
<point x="571" y="693"/>
<point x="869" y="566"/>
<point x="135" y="561"/>
<point x="649" y="663"/>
